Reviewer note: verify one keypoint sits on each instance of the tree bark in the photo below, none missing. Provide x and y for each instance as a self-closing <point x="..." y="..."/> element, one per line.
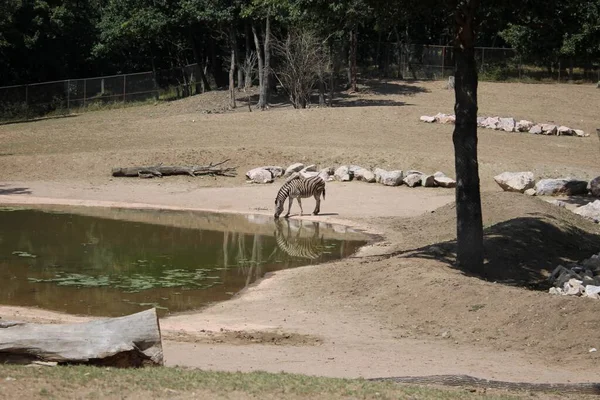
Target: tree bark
<point x="163" y="170"/>
<point x="353" y="71"/>
<point x="267" y="66"/>
<point x="130" y="341"/>
<point x="232" y="68"/>
<point x="261" y="100"/>
<point x="468" y="199"/>
<point x="248" y="77"/>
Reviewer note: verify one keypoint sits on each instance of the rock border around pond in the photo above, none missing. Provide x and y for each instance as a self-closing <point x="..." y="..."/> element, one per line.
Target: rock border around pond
<point x="577" y="279"/>
<point x="509" y="124"/>
<point x="350" y="172"/>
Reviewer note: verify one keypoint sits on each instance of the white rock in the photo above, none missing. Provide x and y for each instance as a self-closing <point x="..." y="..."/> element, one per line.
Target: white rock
<point x="592" y="291"/>
<point x="378" y="172"/>
<point x="413" y="171"/>
<point x="580" y="133"/>
<point x="439" y="116"/>
<point x="530" y="192"/>
<point x="425" y="118"/>
<point x="480" y="121"/>
<point x="536" y="129"/>
<point x="552" y="187"/>
<point x="523" y="125"/>
<point x="413" y="179"/>
<point x="593" y="350"/>
<point x="447" y="119"/>
<point x="428" y="181"/>
<point x="590" y="211"/>
<point x="555" y="290"/>
<point x="491" y="123"/>
<point x="342" y="174"/>
<point x="564" y="131"/>
<point x="549" y="129"/>
<point x="507" y="124"/>
<point x="326" y="173"/>
<point x="515" y="181"/>
<point x="440" y="174"/>
<point x="297" y="167"/>
<point x="573" y="288"/>
<point x="310" y="168"/>
<point x="260" y="175"/>
<point x="308" y="174"/>
<point x="445" y="182"/>
<point x="363" y="174"/>
<point x="392" y="178"/>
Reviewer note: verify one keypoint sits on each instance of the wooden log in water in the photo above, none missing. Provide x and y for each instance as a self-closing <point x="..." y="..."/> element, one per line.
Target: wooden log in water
<point x="164" y="170"/>
<point x="129" y="341"/>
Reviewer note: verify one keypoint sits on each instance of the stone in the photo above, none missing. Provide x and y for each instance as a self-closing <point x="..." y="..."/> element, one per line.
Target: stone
<point x="260" y="175"/>
<point x="523" y="125"/>
<point x="592" y="291"/>
<point x="439" y="116"/>
<point x="413" y="179"/>
<point x="573" y="287"/>
<point x="566" y="186"/>
<point x="480" y="121"/>
<point x="363" y="174"/>
<point x="549" y="129"/>
<point x="413" y="171"/>
<point x="594" y="186"/>
<point x="491" y="123"/>
<point x="297" y="167"/>
<point x="439" y="174"/>
<point x="580" y="133"/>
<point x="507" y="124"/>
<point x="378" y="173"/>
<point x="447" y="119"/>
<point x="558" y="203"/>
<point x="310" y="168"/>
<point x="589" y="211"/>
<point x="536" y="129"/>
<point x="326" y="173"/>
<point x="451" y="80"/>
<point x="428" y="181"/>
<point x="343" y="174"/>
<point x="426" y="118"/>
<point x="555" y="290"/>
<point x="564" y="131"/>
<point x="530" y="192"/>
<point x="308" y="174"/>
<point x="445" y="182"/>
<point x="515" y="181"/>
<point x="392" y="178"/>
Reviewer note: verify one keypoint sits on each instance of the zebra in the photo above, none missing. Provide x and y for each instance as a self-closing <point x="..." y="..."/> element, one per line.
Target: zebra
<point x="300" y="188"/>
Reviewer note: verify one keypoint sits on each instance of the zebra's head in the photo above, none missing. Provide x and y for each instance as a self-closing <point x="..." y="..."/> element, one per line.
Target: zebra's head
<point x="279" y="201"/>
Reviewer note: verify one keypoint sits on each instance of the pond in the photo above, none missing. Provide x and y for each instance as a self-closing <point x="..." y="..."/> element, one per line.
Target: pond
<point x="113" y="262"/>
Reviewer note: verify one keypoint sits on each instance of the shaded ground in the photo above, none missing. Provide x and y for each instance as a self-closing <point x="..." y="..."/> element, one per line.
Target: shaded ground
<point x="398" y="308"/>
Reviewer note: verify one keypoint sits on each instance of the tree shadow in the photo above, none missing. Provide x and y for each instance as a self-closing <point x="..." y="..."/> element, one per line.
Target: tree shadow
<point x="5" y="191"/>
<point x="36" y="119"/>
<point x="578" y="200"/>
<point x="394" y="87"/>
<point x="522" y="251"/>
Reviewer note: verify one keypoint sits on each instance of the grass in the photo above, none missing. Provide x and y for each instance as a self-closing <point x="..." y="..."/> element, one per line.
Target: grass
<point x="84" y="382"/>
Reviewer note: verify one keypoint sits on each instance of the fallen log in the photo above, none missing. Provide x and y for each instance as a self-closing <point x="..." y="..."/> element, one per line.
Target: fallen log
<point x="163" y="170"/>
<point x="129" y="341"/>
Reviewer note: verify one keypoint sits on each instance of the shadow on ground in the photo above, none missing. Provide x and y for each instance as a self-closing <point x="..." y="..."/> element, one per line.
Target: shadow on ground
<point x="521" y="251"/>
<point x="4" y="190"/>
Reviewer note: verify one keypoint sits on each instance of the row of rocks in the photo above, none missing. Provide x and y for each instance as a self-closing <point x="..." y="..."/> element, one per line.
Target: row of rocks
<point x="578" y="279"/>
<point x="345" y="173"/>
<point x="510" y="125"/>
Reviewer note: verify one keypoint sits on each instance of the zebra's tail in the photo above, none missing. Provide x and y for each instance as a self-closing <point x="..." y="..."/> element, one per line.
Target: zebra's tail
<point x="323" y="193"/>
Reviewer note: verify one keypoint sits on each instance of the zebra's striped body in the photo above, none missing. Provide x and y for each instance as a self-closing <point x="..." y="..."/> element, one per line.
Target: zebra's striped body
<point x="300" y="188"/>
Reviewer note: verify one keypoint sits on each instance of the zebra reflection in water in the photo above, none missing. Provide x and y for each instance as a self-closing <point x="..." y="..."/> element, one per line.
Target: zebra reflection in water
<point x="311" y="247"/>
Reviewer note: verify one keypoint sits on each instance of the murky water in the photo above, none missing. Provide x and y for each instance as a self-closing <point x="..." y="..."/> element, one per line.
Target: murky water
<point x="109" y="262"/>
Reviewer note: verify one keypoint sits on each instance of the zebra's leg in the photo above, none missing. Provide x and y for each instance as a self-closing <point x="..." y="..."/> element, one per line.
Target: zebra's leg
<point x="289" y="208"/>
<point x="318" y="205"/>
<point x="300" y="204"/>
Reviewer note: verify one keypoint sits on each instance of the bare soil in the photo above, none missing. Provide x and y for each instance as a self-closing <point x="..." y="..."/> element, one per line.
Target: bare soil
<point x="399" y="307"/>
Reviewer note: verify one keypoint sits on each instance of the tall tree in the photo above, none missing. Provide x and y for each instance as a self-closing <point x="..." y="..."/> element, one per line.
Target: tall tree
<point x="468" y="200"/>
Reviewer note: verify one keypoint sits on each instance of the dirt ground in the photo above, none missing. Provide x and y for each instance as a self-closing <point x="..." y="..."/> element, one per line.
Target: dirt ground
<point x="398" y="307"/>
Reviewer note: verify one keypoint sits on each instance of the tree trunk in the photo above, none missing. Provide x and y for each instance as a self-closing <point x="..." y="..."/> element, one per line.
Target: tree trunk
<point x="198" y="56"/>
<point x="215" y="65"/>
<point x="469" y="254"/>
<point x="261" y="99"/>
<point x="267" y="66"/>
<point x="130" y="341"/>
<point x="321" y="91"/>
<point x="248" y="77"/>
<point x="232" y="68"/>
<point x="353" y="71"/>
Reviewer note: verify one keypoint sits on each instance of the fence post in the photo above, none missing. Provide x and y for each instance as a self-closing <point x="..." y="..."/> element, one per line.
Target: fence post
<point x="443" y="60"/>
<point x="69" y="96"/>
<point x="124" y="87"/>
<point x="84" y="90"/>
<point x="26" y="102"/>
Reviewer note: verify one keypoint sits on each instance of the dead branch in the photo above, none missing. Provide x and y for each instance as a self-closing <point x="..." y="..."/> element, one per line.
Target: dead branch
<point x="163" y="170"/>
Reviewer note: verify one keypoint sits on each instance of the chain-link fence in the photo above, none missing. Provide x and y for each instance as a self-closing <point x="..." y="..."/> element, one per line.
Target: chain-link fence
<point x="24" y="102"/>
